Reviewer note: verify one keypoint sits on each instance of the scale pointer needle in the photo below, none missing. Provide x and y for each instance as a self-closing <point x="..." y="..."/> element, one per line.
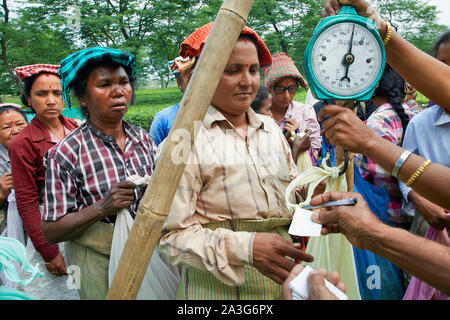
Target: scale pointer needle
<point x="349" y="58"/>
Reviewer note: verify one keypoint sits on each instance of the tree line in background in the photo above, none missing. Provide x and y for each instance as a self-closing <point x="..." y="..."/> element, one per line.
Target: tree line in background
<point x="45" y="31"/>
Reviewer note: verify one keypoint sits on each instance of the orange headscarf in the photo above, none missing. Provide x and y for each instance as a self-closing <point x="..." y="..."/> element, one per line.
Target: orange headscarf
<point x="192" y="46"/>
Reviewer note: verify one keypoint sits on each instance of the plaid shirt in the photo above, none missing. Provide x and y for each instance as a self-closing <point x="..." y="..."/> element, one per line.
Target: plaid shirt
<point x="81" y="169"/>
<point x="386" y="123"/>
<point x="5" y="165"/>
<point x="227" y="178"/>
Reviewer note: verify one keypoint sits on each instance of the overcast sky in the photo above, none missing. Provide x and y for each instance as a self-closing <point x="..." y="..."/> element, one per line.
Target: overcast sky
<point x="444" y="7"/>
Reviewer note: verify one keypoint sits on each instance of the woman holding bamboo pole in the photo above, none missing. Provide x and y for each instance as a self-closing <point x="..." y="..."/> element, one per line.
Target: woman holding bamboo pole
<point x="227" y="225"/>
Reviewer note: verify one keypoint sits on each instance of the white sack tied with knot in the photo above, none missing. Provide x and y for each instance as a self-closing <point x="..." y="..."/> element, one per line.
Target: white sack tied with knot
<point x="332" y="252"/>
<point x="161" y="279"/>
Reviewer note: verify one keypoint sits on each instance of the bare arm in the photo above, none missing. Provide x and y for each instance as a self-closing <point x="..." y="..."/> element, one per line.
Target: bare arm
<point x="425" y="259"/>
<point x="420" y="69"/>
<point x="71" y="225"/>
<point x="345" y="130"/>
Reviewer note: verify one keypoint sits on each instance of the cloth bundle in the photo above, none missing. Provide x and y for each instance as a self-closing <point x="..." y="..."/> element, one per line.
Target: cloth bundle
<point x="11" y="253"/>
<point x="161" y="279"/>
<point x="331" y="252"/>
<point x="12" y="250"/>
<point x="304" y="161"/>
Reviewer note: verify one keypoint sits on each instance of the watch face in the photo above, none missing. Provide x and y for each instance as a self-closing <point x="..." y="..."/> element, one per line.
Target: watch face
<point x="346" y="59"/>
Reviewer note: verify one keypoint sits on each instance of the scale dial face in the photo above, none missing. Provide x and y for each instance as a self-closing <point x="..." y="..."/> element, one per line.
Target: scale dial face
<point x="346" y="59"/>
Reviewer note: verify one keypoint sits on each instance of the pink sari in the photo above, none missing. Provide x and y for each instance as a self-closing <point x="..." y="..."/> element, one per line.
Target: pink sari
<point x="420" y="290"/>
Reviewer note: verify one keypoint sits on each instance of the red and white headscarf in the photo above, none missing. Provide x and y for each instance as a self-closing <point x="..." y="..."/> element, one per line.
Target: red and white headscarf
<point x="28" y="71"/>
<point x="282" y="67"/>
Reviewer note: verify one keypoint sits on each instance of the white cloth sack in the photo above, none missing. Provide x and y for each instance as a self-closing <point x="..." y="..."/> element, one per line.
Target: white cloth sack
<point x="14" y="229"/>
<point x="332" y="252"/>
<point x="14" y="221"/>
<point x="49" y="287"/>
<point x="161" y="279"/>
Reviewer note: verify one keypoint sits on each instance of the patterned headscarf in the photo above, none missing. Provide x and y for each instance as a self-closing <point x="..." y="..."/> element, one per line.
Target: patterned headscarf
<point x="180" y="64"/>
<point x="192" y="46"/>
<point x="25" y="72"/>
<point x="282" y="67"/>
<point x="71" y="65"/>
<point x="11" y="105"/>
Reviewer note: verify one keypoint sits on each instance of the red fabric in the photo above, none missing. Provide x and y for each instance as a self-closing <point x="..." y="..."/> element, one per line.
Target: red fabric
<point x="28" y="71"/>
<point x="26" y="153"/>
<point x="192" y="46"/>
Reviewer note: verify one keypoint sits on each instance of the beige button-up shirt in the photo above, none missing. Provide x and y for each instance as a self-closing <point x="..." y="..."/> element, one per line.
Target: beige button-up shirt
<point x="227" y="176"/>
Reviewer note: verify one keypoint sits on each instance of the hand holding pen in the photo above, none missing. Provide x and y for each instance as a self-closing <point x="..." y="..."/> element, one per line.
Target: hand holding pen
<point x="290" y="124"/>
<point x="355" y="221"/>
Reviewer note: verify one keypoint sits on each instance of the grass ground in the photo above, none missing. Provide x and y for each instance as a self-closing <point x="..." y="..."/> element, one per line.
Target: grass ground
<point x="150" y="101"/>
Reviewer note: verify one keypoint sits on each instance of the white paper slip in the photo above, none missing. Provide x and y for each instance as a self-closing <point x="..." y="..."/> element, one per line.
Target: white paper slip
<point x="300" y="288"/>
<point x="303" y="226"/>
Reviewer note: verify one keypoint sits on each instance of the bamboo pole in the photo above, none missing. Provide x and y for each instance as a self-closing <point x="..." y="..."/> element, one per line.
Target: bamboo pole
<point x="154" y="206"/>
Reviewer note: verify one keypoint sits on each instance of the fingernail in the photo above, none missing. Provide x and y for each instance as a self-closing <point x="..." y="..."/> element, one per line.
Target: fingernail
<point x="315" y="217"/>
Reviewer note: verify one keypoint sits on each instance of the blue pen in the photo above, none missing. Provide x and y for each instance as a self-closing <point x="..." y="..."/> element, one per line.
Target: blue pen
<point x="284" y="122"/>
<point x="341" y="202"/>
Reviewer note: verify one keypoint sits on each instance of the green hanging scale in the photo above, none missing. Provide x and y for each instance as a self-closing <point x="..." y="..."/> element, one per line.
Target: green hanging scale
<point x="345" y="57"/>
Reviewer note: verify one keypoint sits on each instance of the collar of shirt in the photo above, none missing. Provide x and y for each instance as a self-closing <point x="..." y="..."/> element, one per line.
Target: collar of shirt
<point x="441" y="118"/>
<point x="38" y="132"/>
<point x="213" y="115"/>
<point x="129" y="131"/>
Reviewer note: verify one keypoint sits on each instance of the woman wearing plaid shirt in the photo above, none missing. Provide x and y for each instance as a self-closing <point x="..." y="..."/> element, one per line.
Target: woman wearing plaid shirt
<point x="389" y="121"/>
<point x="86" y="173"/>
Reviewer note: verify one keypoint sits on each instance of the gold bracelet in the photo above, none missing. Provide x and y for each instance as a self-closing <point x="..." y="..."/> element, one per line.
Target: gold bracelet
<point x="388" y="36"/>
<point x="424" y="166"/>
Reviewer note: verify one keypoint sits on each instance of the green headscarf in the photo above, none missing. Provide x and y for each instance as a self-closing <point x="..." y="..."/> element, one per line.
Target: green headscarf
<point x="71" y="65"/>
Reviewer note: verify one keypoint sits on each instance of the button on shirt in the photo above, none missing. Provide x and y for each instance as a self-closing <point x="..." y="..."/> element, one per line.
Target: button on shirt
<point x="82" y="168"/>
<point x="227" y="176"/>
<point x="428" y="135"/>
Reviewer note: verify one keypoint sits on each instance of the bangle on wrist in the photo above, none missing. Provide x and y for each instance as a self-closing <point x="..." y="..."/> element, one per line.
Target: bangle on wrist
<point x="388" y="35"/>
<point x="424" y="166"/>
<point x="398" y="164"/>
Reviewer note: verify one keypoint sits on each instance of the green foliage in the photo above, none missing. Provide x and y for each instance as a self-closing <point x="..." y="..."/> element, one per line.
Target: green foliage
<point x="45" y="31"/>
<point x="149" y="102"/>
<point x="141" y="120"/>
<point x="414" y="20"/>
<point x="286" y="26"/>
